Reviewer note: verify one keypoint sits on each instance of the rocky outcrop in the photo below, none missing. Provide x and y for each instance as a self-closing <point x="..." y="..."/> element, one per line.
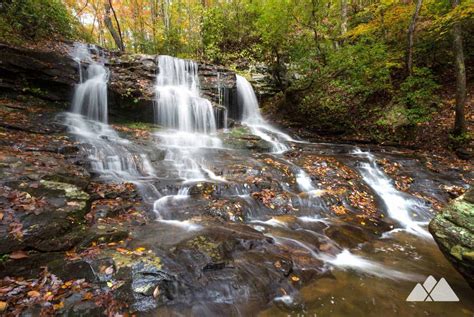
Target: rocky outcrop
<point x="51" y="75"/>
<point x="133" y="77"/>
<point x="46" y="74"/>
<point x="453" y="230"/>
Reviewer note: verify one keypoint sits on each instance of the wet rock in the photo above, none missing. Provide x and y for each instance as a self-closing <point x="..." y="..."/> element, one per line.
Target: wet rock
<point x="453" y="231"/>
<point x="46" y="74"/>
<point x="241" y="139"/>
<point x="30" y="266"/>
<point x="104" y="233"/>
<point x="67" y="271"/>
<point x="52" y="220"/>
<point x="157" y="155"/>
<point x="74" y="305"/>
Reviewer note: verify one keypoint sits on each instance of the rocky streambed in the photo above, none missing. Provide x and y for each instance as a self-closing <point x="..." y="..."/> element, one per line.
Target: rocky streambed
<point x="315" y="229"/>
<point x="254" y="243"/>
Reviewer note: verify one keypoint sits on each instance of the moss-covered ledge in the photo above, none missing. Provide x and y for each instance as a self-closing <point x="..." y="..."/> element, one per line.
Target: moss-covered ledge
<point x="453" y="230"/>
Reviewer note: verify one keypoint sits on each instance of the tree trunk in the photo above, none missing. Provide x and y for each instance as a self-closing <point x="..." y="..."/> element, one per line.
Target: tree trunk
<point x="411" y="33"/>
<point x="343" y="17"/>
<point x="460" y="120"/>
<point x="108" y="23"/>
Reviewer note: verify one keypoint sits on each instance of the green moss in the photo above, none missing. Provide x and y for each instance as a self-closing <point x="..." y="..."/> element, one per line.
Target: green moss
<point x="123" y="260"/>
<point x="72" y="192"/>
<point x="206" y="246"/>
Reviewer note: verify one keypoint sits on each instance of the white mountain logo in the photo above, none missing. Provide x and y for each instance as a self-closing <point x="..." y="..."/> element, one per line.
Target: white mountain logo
<point x="432" y="291"/>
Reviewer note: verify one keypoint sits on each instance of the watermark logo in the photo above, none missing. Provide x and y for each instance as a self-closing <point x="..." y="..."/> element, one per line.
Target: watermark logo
<point x="432" y="291"/>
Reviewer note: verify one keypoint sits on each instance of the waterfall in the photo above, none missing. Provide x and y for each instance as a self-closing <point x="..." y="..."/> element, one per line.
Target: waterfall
<point x="252" y="118"/>
<point x="188" y="118"/>
<point x="90" y="98"/>
<point x="399" y="206"/>
<point x="108" y="153"/>
<point x="179" y="105"/>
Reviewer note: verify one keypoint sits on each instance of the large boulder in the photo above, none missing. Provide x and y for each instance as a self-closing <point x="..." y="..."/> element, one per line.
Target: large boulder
<point x="453" y="230"/>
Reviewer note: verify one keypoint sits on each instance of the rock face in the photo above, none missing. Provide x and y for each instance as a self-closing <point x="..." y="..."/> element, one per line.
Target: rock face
<point x="133" y="77"/>
<point x="453" y="230"/>
<point x="51" y="75"/>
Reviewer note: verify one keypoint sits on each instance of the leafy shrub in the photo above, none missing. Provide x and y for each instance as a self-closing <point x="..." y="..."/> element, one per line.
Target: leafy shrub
<point x="34" y="19"/>
<point x="352" y="76"/>
<point x="417" y="95"/>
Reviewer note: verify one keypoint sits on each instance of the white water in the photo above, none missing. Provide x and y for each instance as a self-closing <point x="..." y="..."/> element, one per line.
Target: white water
<point x="109" y="154"/>
<point x="348" y="260"/>
<point x="252" y="118"/>
<point x="399" y="205"/>
<point x="179" y="104"/>
<point x="188" y="118"/>
<point x="258" y="126"/>
<point x="90" y="97"/>
<point x="190" y="131"/>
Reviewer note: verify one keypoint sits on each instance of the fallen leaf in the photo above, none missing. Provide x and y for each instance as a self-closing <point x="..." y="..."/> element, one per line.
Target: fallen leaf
<point x="295" y="278"/>
<point x="87" y="296"/>
<point x="16" y="255"/>
<point x="58" y="306"/>
<point x="156" y="292"/>
<point x="122" y="250"/>
<point x="3" y="306"/>
<point x="33" y="294"/>
<point x="324" y="247"/>
<point x="1" y="216"/>
<point x="109" y="270"/>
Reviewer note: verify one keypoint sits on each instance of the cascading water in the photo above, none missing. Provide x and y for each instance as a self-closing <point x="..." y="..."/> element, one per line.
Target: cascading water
<point x="179" y="104"/>
<point x="307" y="236"/>
<point x="90" y="98"/>
<point x="189" y="122"/>
<point x="109" y="154"/>
<point x="399" y="206"/>
<point x="252" y="118"/>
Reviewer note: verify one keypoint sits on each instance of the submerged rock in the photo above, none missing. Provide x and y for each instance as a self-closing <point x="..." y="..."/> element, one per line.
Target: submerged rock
<point x="453" y="230"/>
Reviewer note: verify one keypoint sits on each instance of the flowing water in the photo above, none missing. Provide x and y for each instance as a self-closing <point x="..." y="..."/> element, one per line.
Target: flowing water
<point x="255" y="232"/>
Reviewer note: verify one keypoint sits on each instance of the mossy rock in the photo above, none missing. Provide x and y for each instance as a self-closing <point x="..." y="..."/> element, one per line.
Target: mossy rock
<point x="453" y="230"/>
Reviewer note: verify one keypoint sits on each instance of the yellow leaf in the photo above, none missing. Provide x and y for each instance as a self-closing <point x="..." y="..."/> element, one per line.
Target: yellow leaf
<point x="295" y="278"/>
<point x="58" y="306"/>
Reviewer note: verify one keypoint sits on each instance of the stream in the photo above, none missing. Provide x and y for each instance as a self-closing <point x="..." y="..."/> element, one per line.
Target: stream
<point x="285" y="227"/>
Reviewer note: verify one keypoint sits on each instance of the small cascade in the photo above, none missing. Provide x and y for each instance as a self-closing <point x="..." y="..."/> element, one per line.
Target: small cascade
<point x="188" y="118"/>
<point x="252" y="118"/>
<point x="90" y="98"/>
<point x="178" y="104"/>
<point x="399" y="206"/>
<point x="222" y="100"/>
<point x="109" y="154"/>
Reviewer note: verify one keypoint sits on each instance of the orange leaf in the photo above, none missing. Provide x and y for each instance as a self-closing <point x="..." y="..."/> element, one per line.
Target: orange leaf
<point x="16" y="255"/>
<point x="33" y="294"/>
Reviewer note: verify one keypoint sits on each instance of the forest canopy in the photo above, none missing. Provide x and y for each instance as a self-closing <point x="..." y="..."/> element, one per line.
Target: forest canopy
<point x="378" y="60"/>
